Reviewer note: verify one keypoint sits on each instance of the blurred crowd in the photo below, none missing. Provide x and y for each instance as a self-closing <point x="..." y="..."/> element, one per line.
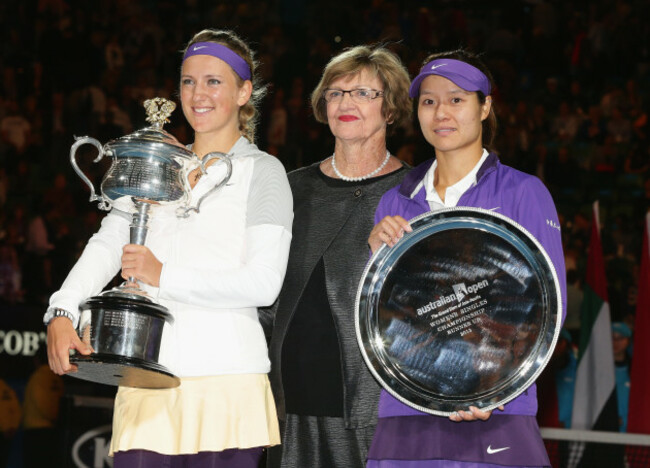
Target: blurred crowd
<point x="572" y="100"/>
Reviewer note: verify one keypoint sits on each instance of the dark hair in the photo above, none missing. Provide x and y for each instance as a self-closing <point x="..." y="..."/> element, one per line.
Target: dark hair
<point x="248" y="114"/>
<point x="377" y="60"/>
<point x="490" y="123"/>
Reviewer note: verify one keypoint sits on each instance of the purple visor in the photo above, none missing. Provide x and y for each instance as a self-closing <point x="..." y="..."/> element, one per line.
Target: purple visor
<point x="238" y="64"/>
<point x="460" y="73"/>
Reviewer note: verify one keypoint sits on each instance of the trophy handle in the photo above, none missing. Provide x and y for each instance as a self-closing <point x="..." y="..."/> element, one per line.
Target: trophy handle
<point x="103" y="204"/>
<point x="184" y="213"/>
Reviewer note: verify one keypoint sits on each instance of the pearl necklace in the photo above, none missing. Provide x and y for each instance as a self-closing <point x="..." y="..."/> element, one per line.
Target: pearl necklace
<point x="357" y="179"/>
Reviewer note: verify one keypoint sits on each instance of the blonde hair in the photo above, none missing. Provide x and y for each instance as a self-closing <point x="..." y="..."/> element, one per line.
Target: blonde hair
<point x="248" y="113"/>
<point x="384" y="64"/>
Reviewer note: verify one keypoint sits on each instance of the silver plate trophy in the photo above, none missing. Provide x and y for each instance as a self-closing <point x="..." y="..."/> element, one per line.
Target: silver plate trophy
<point x="463" y="311"/>
<point x="124" y="325"/>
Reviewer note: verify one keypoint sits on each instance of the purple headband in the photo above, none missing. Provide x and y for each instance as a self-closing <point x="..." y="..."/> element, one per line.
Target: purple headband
<point x="238" y="64"/>
<point x="461" y="73"/>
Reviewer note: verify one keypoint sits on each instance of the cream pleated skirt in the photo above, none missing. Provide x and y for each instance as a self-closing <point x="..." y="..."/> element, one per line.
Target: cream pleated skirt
<point x="202" y="414"/>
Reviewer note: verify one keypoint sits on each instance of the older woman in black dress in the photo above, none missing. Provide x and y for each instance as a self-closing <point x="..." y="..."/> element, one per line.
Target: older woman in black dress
<point x="326" y="397"/>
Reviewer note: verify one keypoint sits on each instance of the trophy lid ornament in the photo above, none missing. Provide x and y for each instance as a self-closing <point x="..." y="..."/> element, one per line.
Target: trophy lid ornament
<point x="158" y="111"/>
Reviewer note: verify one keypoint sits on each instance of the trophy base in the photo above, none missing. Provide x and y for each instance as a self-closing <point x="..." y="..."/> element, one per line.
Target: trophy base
<point x="123" y="371"/>
<point x="126" y="334"/>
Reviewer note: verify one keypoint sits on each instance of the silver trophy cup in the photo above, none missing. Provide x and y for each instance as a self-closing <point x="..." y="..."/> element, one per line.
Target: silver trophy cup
<point x="124" y="325"/>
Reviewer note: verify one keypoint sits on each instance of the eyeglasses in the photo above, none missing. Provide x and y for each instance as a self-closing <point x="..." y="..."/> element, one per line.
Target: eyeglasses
<point x="359" y="95"/>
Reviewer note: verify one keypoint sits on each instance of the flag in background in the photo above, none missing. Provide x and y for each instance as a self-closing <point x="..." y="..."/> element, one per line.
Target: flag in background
<point x="594" y="401"/>
<point x="639" y="403"/>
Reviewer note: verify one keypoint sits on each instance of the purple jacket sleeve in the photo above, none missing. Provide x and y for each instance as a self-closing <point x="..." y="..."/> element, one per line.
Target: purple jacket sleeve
<point x="533" y="208"/>
<point x="536" y="212"/>
<point x="383" y="207"/>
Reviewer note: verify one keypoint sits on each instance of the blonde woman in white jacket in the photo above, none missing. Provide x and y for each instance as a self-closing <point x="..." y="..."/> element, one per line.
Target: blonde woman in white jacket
<point x="211" y="270"/>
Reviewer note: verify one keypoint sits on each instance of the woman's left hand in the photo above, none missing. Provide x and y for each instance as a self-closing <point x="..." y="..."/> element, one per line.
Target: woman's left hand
<point x="388" y="231"/>
<point x="140" y="263"/>
<point x="472" y="415"/>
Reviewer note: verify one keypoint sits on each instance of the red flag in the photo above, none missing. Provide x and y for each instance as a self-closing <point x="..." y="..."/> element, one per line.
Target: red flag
<point x="639" y="404"/>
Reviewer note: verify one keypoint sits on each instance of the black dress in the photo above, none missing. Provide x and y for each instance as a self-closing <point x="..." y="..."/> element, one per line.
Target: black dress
<point x="331" y="397"/>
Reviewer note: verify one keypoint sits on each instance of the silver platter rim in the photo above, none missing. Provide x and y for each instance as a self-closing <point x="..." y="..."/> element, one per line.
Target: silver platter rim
<point x="378" y="260"/>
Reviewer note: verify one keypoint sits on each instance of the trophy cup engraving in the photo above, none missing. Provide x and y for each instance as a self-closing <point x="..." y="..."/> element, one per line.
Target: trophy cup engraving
<point x="124" y="325"/>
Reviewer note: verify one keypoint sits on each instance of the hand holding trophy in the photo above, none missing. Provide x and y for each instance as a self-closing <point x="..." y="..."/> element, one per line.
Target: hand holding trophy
<point x="124" y="325"/>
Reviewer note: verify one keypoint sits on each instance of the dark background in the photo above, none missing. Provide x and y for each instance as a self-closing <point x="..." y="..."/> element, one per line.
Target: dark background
<point x="571" y="96"/>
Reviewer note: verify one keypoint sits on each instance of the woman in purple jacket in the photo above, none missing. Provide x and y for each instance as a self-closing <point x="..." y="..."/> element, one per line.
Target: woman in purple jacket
<point x="457" y="118"/>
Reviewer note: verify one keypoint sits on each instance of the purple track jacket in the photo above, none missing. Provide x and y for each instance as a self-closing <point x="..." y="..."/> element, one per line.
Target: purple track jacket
<point x="504" y="190"/>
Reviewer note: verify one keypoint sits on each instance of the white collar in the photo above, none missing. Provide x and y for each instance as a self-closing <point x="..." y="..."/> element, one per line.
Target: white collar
<point x="453" y="192"/>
